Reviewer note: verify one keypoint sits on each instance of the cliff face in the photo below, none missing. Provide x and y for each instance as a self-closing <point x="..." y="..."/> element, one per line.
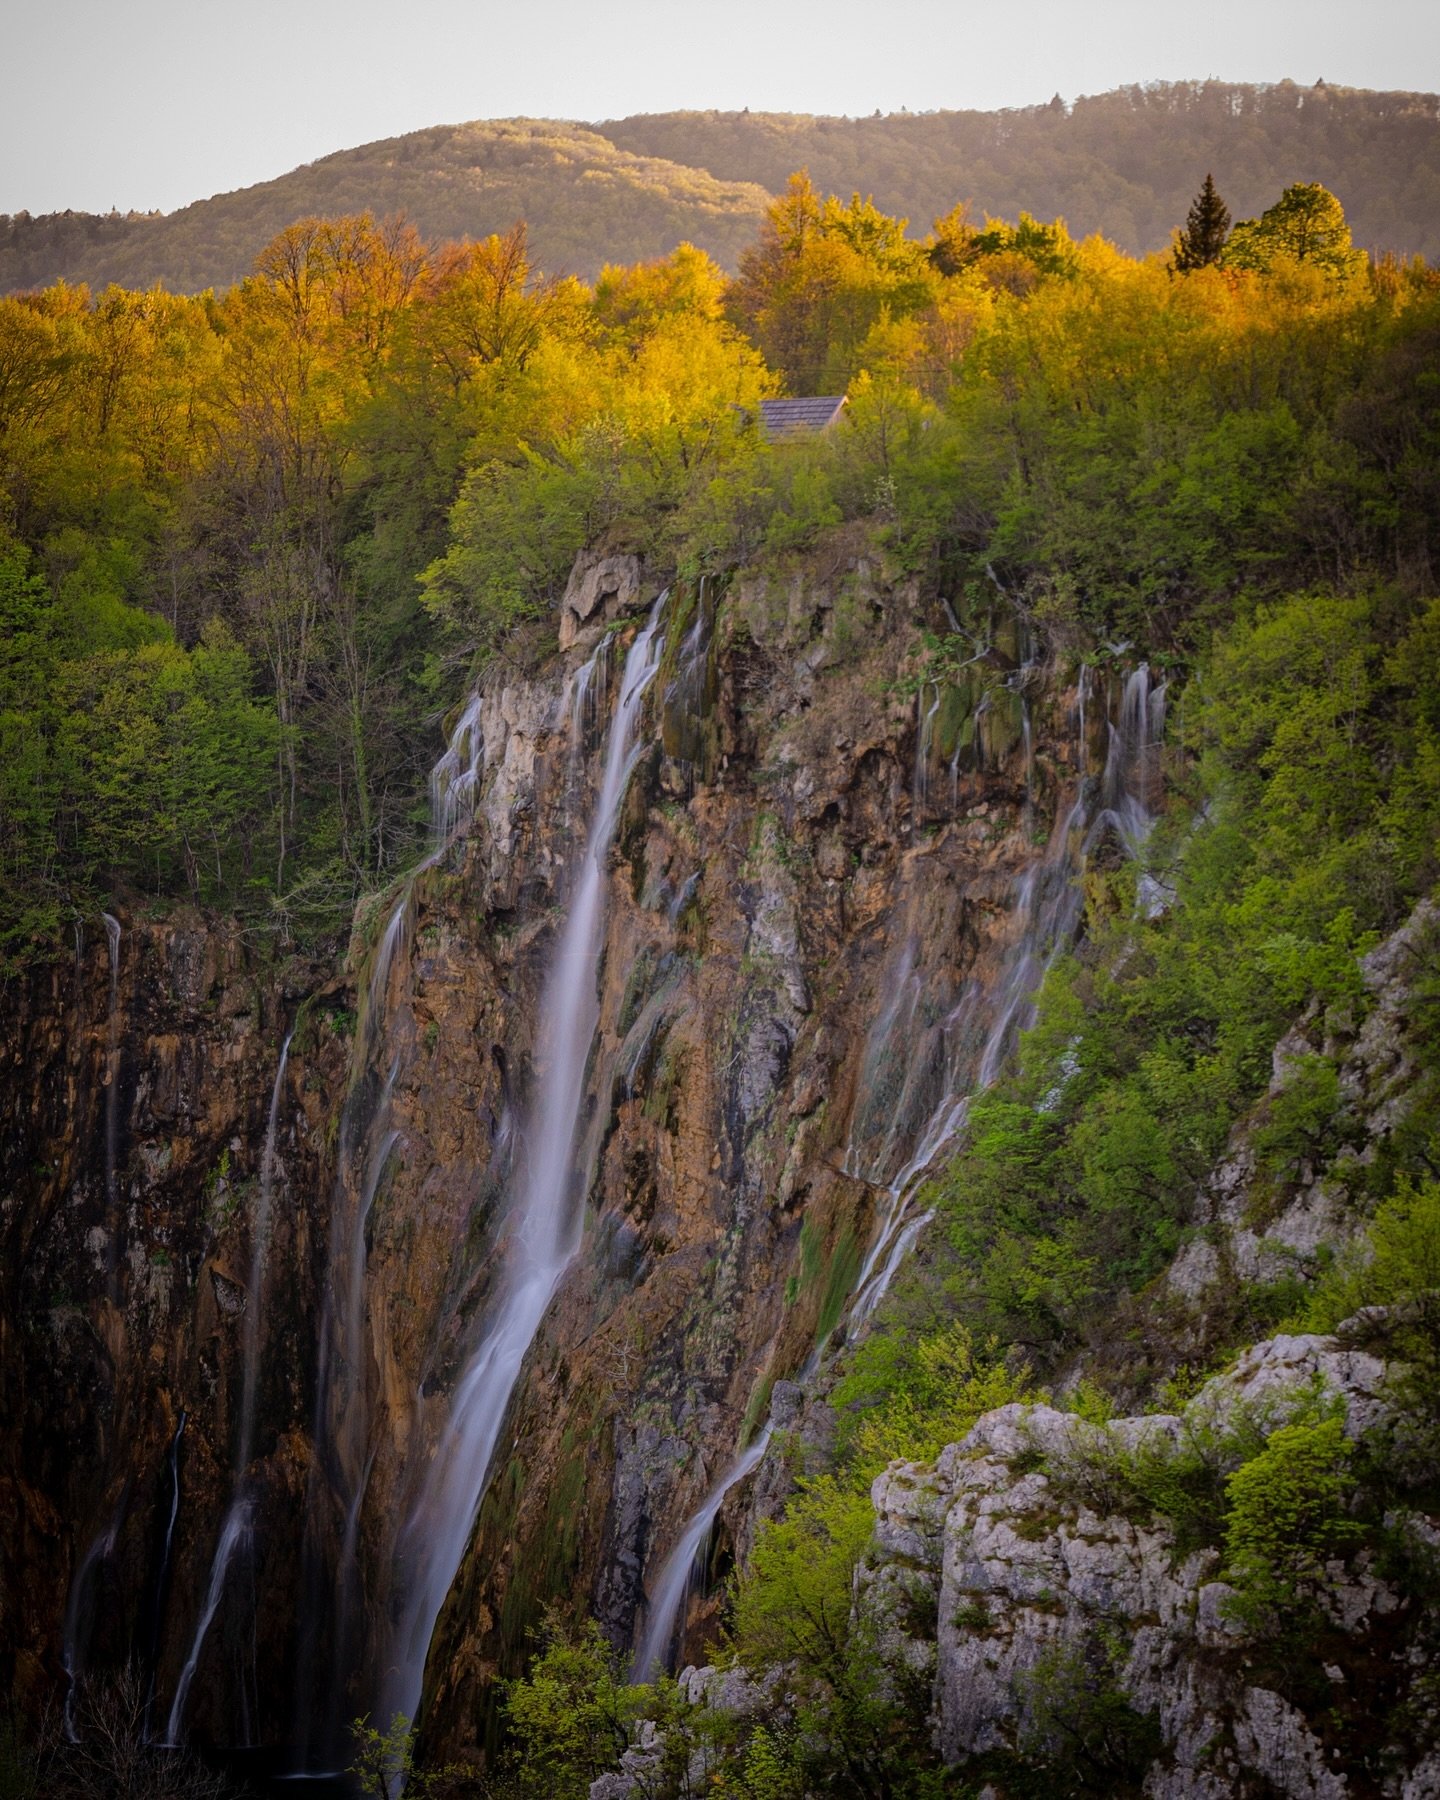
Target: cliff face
<point x="135" y="1118"/>
<point x="821" y="904"/>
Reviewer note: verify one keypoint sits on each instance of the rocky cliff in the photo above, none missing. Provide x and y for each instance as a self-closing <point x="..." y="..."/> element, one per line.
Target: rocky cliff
<point x="251" y="1290"/>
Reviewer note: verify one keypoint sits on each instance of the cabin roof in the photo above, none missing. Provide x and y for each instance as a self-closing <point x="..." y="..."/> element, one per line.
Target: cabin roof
<point x="792" y="418"/>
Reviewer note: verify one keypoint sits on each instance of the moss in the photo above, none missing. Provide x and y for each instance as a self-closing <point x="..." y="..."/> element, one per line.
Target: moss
<point x="842" y="1268"/>
<point x="757" y="1409"/>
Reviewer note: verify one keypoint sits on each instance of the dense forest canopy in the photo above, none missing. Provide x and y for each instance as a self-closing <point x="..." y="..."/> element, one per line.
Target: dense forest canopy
<point x="1121" y="163"/>
<point x="255" y="539"/>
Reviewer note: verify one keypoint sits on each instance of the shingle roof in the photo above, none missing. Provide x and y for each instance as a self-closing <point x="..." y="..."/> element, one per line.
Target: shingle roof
<point x="789" y="418"/>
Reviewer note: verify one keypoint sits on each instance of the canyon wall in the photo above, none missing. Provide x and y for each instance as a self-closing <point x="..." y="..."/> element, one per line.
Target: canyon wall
<point x="243" y="1314"/>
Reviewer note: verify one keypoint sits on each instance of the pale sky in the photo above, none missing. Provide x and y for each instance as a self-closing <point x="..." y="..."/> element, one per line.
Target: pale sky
<point x="154" y="103"/>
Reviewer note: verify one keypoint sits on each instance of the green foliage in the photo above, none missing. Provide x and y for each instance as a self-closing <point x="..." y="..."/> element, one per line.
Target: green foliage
<point x="571" y="1714"/>
<point x="1307" y="223"/>
<point x="1287" y="1519"/>
<point x="1080" y="1734"/>
<point x="857" y="1721"/>
<point x="1207" y="225"/>
<point x="1395" y="1269"/>
<point x="384" y="1765"/>
<point x="904" y="1396"/>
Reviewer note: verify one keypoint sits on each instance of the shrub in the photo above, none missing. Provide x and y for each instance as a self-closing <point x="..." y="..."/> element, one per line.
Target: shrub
<point x="1286" y="1520"/>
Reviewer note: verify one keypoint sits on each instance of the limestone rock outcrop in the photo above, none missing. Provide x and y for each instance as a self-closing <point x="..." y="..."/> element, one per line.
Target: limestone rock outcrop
<point x="1004" y="1571"/>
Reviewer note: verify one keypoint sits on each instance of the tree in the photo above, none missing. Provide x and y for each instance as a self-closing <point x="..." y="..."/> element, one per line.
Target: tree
<point x="1287" y="1519"/>
<point x="1207" y="225"/>
<point x="573" y="1714"/>
<point x="384" y="1765"/>
<point x="1306" y="223"/>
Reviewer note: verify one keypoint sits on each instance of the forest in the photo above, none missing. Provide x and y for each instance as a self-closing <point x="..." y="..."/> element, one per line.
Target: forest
<point x="256" y="541"/>
<point x="259" y="543"/>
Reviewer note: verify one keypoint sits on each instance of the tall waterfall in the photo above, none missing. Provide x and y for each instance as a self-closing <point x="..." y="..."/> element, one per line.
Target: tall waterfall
<point x="543" y="1223"/>
<point x="344" y="1454"/>
<point x="236" y="1527"/>
<point x="976" y="1036"/>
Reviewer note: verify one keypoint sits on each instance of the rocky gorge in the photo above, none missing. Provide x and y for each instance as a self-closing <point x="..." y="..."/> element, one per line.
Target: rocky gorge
<point x="354" y="1315"/>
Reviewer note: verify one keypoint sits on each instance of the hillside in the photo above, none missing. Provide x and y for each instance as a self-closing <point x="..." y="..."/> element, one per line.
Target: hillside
<point x="1124" y="163"/>
<point x="587" y="203"/>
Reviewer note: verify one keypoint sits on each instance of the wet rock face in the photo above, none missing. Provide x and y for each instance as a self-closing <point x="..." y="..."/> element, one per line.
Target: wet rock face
<point x="129" y="1156"/>
<point x="793" y="926"/>
<point x="994" y="1577"/>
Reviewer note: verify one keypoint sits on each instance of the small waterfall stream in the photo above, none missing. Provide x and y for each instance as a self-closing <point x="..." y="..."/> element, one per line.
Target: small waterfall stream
<point x="1048" y="902"/>
<point x="112" y="1112"/>
<point x="79" y="1616"/>
<point x="677" y="1574"/>
<point x="543" y="1223"/>
<point x="162" y="1580"/>
<point x="236" y="1536"/>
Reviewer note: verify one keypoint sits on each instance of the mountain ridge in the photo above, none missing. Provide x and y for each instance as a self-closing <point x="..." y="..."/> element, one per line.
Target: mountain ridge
<point x="1124" y="163"/>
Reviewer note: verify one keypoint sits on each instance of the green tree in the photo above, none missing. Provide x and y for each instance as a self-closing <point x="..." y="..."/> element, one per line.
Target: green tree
<point x="1306" y="223"/>
<point x="1206" y="227"/>
<point x="572" y="1713"/>
<point x="384" y="1766"/>
<point x="1287" y="1519"/>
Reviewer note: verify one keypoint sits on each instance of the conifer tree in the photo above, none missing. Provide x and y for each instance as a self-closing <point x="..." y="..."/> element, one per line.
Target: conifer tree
<point x="1206" y="225"/>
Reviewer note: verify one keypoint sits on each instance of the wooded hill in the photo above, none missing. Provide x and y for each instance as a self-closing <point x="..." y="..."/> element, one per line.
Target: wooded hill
<point x="1124" y="163"/>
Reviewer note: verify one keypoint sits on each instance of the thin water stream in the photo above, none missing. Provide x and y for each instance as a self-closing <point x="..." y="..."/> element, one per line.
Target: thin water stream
<point x="1048" y="901"/>
<point x="236" y="1529"/>
<point x="333" y="1605"/>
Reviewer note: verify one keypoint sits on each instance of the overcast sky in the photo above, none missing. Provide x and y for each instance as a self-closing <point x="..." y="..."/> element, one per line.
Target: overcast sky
<point x="154" y="103"/>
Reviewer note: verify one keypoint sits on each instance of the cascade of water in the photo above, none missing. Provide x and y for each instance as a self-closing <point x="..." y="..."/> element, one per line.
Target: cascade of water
<point x="162" y="1583"/>
<point x="1082" y="691"/>
<point x="1027" y="735"/>
<point x="924" y="736"/>
<point x="112" y="1109"/>
<point x="455" y="779"/>
<point x="674" y="1582"/>
<point x="78" y="1617"/>
<point x="543" y="1224"/>
<point x="1131" y="783"/>
<point x="1047" y="904"/>
<point x="253" y="1341"/>
<point x="235" y="1534"/>
<point x="588" y="694"/>
<point x="343" y="1457"/>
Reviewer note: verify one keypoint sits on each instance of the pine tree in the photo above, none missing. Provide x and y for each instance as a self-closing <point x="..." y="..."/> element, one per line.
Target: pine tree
<point x="1203" y="238"/>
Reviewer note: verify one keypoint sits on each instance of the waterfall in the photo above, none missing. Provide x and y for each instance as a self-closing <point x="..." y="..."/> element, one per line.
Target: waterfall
<point x="673" y="1583"/>
<point x="924" y="739"/>
<point x="455" y="779"/>
<point x="253" y="1341"/>
<point x="112" y="1111"/>
<point x="1047" y="902"/>
<point x="162" y="1581"/>
<point x="233" y="1533"/>
<point x="235" y="1529"/>
<point x="543" y="1223"/>
<point x="343" y="1456"/>
<point x="78" y="1617"/>
<point x="341" y="1459"/>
